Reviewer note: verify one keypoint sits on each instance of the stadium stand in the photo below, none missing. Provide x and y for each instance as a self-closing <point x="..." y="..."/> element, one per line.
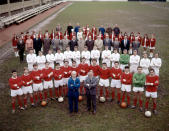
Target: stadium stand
<point x="20" y="17"/>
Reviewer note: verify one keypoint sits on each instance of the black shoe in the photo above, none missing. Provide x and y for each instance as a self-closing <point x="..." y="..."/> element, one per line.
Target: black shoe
<point x="118" y="102"/>
<point x="128" y="106"/>
<point x="133" y="107"/>
<point x="94" y="112"/>
<point x="155" y="112"/>
<point x="141" y="109"/>
<point x="52" y="98"/>
<point x="33" y="105"/>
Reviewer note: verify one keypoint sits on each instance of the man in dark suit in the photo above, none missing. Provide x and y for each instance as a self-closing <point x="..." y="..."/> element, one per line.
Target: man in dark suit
<point x="73" y="43"/>
<point x="90" y="84"/>
<point x="90" y="43"/>
<point x="21" y="48"/>
<point x="69" y="28"/>
<point x="107" y="42"/>
<point x="37" y="44"/>
<point x="125" y="44"/>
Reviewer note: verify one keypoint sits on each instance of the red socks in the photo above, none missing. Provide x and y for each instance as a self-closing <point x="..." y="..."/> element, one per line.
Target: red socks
<point x="45" y="94"/>
<point x="146" y="105"/>
<point x="135" y="101"/>
<point x="123" y="97"/>
<point x="113" y="94"/>
<point x="56" y="92"/>
<point x="119" y="96"/>
<point x="101" y="92"/>
<point x="50" y="92"/>
<point x="19" y="102"/>
<point x="128" y="99"/>
<point x="60" y="91"/>
<point x="31" y="100"/>
<point x="40" y="95"/>
<point x="107" y="93"/>
<point x="154" y="105"/>
<point x="64" y="91"/>
<point x="13" y="105"/>
<point x="81" y="88"/>
<point x="140" y="102"/>
<point x="36" y="97"/>
<point x="25" y="101"/>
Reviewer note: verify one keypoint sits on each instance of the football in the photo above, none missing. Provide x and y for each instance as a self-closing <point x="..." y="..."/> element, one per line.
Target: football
<point x="123" y="105"/>
<point x="60" y="99"/>
<point x="102" y="99"/>
<point x="43" y="103"/>
<point x="148" y="114"/>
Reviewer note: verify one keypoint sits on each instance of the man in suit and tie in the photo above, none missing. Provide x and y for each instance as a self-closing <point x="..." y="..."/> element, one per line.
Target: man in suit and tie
<point x="107" y="42"/>
<point x="73" y="43"/>
<point x="125" y="44"/>
<point x="90" y="84"/>
<point x="37" y="44"/>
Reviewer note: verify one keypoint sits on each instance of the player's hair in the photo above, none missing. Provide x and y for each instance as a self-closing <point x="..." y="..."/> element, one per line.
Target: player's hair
<point x="66" y="61"/>
<point x="25" y="68"/>
<point x="116" y="62"/>
<point x="139" y="67"/>
<point x="135" y="50"/>
<point x="46" y="62"/>
<point x="151" y="69"/>
<point x="57" y="64"/>
<point x="73" y="61"/>
<point x="104" y="63"/>
<point x="85" y="46"/>
<point x="126" y="67"/>
<point x="94" y="59"/>
<point x="14" y="71"/>
<point x="76" y="47"/>
<point x="115" y="49"/>
<point x="35" y="64"/>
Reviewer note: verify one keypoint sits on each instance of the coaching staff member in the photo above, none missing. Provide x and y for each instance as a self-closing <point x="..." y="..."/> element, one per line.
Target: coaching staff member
<point x="90" y="84"/>
<point x="73" y="93"/>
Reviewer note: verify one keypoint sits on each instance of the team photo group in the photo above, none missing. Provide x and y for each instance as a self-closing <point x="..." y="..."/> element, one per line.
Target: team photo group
<point x="101" y="64"/>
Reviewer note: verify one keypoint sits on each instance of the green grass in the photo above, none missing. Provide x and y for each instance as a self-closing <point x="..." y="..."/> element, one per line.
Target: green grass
<point x="130" y="16"/>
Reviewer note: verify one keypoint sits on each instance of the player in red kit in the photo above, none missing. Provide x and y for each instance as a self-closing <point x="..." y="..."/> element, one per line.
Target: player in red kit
<point x="115" y="73"/>
<point x="67" y="72"/>
<point x="104" y="74"/>
<point x="48" y="82"/>
<point x="27" y="86"/>
<point x="152" y="82"/>
<point x="58" y="74"/>
<point x="15" y="84"/>
<point x="83" y="71"/>
<point x="75" y="68"/>
<point x="95" y="68"/>
<point x="37" y="77"/>
<point x="126" y="80"/>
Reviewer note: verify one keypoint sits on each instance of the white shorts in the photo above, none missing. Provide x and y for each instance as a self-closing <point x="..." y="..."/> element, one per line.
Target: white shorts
<point x="122" y="66"/>
<point x="107" y="61"/>
<point x="37" y="87"/>
<point x="82" y="78"/>
<point x="27" y="89"/>
<point x="65" y="81"/>
<point x="133" y="68"/>
<point x="30" y="67"/>
<point x="48" y="84"/>
<point x="126" y="88"/>
<point x="51" y="64"/>
<point x="151" y="94"/>
<point x="156" y="70"/>
<point x="138" y="89"/>
<point x="115" y="83"/>
<point x="41" y="66"/>
<point x="17" y="92"/>
<point x="145" y="71"/>
<point x="152" y="48"/>
<point x="58" y="83"/>
<point x="87" y="62"/>
<point x="104" y="82"/>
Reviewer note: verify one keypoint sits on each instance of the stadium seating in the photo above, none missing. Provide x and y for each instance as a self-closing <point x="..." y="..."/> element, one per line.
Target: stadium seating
<point x="18" y="18"/>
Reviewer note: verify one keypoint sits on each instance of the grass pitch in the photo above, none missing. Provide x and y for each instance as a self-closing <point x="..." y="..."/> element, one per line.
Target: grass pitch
<point x="131" y="17"/>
